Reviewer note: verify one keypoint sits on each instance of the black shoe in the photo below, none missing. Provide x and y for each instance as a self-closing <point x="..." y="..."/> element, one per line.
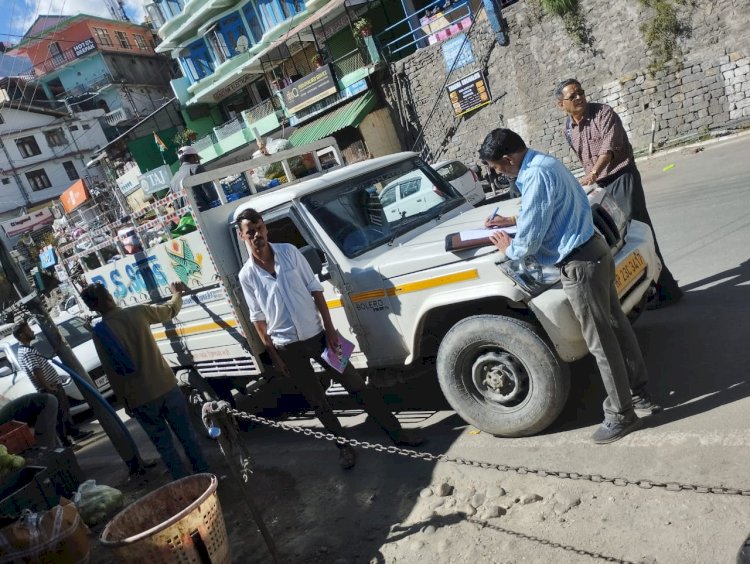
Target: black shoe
<point x="644" y="405"/>
<point x="662" y="299"/>
<point x="407" y="437"/>
<point x="78" y="435"/>
<point x="611" y="431"/>
<point x="347" y="457"/>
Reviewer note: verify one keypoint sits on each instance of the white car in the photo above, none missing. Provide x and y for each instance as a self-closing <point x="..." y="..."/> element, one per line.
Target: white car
<point x="463" y="179"/>
<point x="14" y="382"/>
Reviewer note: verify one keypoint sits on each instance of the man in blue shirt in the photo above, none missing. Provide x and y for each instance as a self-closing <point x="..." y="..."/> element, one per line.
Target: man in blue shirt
<point x="287" y="308"/>
<point x="556" y="227"/>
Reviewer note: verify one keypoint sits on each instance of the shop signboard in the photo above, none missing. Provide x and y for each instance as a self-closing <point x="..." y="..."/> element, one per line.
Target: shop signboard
<point x="85" y="46"/>
<point x="309" y="89"/>
<point x="156" y="180"/>
<point x="27" y="222"/>
<point x="469" y="93"/>
<point x="130" y="181"/>
<point x="74" y="196"/>
<point x="47" y="257"/>
<point x="232" y="87"/>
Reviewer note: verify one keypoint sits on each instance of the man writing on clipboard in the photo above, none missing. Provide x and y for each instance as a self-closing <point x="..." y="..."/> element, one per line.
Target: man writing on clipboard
<point x="286" y="305"/>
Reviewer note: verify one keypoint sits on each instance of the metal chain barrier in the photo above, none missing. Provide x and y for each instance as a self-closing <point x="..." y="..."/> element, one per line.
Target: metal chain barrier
<point x="520" y="470"/>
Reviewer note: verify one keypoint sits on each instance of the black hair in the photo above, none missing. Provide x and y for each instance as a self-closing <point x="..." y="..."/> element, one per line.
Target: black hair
<point x="248" y="214"/>
<point x="563" y="84"/>
<point x="500" y="142"/>
<point x="19" y="327"/>
<point x="92" y="295"/>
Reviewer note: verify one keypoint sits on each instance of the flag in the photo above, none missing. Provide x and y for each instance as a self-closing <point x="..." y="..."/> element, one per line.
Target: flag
<point x="159" y="143"/>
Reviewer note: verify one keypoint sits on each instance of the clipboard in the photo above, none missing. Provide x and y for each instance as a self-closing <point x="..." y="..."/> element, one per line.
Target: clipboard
<point x="473" y="239"/>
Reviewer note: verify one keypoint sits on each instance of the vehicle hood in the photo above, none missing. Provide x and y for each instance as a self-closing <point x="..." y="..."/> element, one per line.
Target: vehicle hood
<point x="424" y="248"/>
<point x="86" y="355"/>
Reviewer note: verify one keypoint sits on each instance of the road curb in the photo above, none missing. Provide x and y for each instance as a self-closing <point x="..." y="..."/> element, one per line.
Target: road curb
<point x="713" y="141"/>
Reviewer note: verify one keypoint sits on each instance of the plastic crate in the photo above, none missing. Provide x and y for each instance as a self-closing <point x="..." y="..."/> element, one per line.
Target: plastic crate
<point x="61" y="473"/>
<point x="26" y="489"/>
<point x="16" y="436"/>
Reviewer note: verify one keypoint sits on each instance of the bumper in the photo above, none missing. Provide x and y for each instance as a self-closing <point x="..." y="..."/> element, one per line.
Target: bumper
<point x="553" y="310"/>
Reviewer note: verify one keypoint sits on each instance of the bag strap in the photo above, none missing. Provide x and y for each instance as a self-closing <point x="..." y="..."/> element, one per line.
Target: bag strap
<point x="567" y="131"/>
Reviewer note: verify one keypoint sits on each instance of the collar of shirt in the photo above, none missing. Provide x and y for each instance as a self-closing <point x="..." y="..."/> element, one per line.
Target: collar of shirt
<point x="525" y="163"/>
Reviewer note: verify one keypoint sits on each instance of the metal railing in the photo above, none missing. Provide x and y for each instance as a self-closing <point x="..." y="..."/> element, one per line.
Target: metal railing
<point x="349" y="63"/>
<point x="56" y="61"/>
<point x="230" y="128"/>
<point x="95" y="84"/>
<point x="258" y="112"/>
<point x="205" y="142"/>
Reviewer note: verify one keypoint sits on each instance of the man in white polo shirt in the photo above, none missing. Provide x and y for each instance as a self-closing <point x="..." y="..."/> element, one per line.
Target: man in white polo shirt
<point x="287" y="308"/>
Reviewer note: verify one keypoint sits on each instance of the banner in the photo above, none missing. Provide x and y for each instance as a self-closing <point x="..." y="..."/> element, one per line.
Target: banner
<point x="130" y="181"/>
<point x="28" y="222"/>
<point x="155" y="180"/>
<point x="74" y="196"/>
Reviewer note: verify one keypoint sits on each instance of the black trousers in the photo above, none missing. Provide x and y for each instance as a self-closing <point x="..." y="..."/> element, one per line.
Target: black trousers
<point x="627" y="190"/>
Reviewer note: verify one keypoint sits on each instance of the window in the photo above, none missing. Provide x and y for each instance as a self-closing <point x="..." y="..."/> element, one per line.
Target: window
<point x="292" y="7"/>
<point x="410" y="187"/>
<point x="73" y="128"/>
<point x="28" y="147"/>
<point x="141" y="42"/>
<point x="55" y="138"/>
<point x="86" y="126"/>
<point x="70" y="170"/>
<point x="102" y="36"/>
<point x="6" y="180"/>
<point x="55" y="52"/>
<point x="38" y="179"/>
<point x="197" y="60"/>
<point x="122" y="39"/>
<point x="256" y="28"/>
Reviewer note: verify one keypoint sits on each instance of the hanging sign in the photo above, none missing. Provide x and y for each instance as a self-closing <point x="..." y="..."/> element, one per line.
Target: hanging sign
<point x="469" y="93"/>
<point x="309" y="89"/>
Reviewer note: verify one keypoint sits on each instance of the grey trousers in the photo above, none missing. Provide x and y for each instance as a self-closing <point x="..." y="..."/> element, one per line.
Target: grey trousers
<point x="297" y="358"/>
<point x="627" y="190"/>
<point x="589" y="283"/>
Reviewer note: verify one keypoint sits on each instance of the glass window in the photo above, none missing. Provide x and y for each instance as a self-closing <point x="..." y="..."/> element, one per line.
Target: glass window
<point x="55" y="138"/>
<point x="452" y="170"/>
<point x="251" y="15"/>
<point x="410" y="187"/>
<point x="122" y="39"/>
<point x="102" y="36"/>
<point x="364" y="213"/>
<point x="231" y="29"/>
<point x="38" y="179"/>
<point x="70" y="170"/>
<point x="140" y="41"/>
<point x="28" y="147"/>
<point x="74" y="330"/>
<point x="198" y="60"/>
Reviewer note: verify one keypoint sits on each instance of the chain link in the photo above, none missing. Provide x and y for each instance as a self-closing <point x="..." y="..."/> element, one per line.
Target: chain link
<point x="520" y="470"/>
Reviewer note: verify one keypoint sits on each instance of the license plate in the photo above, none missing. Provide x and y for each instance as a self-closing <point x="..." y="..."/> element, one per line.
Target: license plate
<point x="101" y="381"/>
<point x="628" y="272"/>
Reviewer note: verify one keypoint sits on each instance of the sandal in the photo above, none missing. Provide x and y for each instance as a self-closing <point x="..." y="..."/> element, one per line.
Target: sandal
<point x="347" y="457"/>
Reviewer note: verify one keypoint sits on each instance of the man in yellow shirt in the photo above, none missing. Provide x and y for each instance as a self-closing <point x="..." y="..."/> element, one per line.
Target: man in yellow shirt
<point x="141" y="377"/>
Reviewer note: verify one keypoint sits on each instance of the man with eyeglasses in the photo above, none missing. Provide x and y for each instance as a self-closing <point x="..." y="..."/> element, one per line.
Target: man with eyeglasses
<point x="597" y="136"/>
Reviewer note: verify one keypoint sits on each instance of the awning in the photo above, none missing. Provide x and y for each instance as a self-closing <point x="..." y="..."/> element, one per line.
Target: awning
<point x="350" y="114"/>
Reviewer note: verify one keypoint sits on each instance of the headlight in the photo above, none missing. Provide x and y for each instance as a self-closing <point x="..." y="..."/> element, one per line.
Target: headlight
<point x="609" y="205"/>
<point x="531" y="276"/>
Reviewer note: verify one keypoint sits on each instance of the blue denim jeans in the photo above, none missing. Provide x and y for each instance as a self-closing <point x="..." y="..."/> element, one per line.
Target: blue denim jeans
<point x="157" y="417"/>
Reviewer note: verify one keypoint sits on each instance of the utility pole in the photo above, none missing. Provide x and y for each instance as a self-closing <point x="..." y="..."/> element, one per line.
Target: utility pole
<point x="112" y="425"/>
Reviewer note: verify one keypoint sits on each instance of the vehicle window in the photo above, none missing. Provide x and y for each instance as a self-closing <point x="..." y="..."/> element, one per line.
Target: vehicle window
<point x="452" y="170"/>
<point x="362" y="213"/>
<point x="74" y="330"/>
<point x="5" y="363"/>
<point x="410" y="187"/>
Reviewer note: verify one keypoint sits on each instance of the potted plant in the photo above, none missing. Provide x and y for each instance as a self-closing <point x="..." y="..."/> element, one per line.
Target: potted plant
<point x="185" y="137"/>
<point x="363" y="27"/>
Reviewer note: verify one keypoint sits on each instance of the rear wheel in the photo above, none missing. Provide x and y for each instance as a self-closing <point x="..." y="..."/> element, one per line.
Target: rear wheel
<point x="501" y="376"/>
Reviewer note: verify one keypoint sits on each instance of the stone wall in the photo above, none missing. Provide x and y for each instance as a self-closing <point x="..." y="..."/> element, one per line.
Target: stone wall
<point x="708" y="89"/>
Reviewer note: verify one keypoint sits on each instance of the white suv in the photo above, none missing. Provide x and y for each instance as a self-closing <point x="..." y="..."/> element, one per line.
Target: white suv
<point x="14" y="382"/>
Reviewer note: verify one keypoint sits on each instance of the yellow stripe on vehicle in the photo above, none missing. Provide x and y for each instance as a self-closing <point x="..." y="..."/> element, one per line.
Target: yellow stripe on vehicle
<point x="370" y="295"/>
<point x="427" y="283"/>
<point x="193" y="329"/>
<point x="334" y="304"/>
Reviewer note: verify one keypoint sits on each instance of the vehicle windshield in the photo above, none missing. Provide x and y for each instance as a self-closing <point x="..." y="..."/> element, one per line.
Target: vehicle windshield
<point x="372" y="209"/>
<point x="74" y="330"/>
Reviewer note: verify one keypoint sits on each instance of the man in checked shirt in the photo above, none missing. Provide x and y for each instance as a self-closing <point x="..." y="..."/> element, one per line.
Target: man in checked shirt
<point x="597" y="136"/>
<point x="46" y="380"/>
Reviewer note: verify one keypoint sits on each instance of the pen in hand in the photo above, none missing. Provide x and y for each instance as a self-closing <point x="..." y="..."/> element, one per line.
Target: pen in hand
<point x="494" y="214"/>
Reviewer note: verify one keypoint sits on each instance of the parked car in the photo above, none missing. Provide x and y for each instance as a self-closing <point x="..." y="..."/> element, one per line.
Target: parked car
<point x="463" y="179"/>
<point x="14" y="382"/>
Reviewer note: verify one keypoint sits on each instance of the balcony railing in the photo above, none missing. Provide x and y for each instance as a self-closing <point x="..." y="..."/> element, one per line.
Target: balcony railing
<point x="205" y="142"/>
<point x="256" y="113"/>
<point x="230" y="128"/>
<point x="349" y="63"/>
<point x="56" y="61"/>
<point x="96" y="83"/>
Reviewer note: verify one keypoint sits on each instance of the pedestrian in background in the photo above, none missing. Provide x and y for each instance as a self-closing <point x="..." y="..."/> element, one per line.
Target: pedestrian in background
<point x="141" y="377"/>
<point x="597" y="136"/>
<point x="290" y="314"/>
<point x="190" y="164"/>
<point x="556" y="227"/>
<point x="46" y="380"/>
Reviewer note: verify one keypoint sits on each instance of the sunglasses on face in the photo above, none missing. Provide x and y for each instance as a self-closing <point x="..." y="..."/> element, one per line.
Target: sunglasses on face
<point x="575" y="95"/>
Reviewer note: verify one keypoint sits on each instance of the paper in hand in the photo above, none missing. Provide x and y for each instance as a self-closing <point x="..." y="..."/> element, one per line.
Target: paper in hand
<point x="340" y="358"/>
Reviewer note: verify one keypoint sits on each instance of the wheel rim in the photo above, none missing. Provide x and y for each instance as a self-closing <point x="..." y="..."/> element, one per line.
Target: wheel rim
<point x="496" y="377"/>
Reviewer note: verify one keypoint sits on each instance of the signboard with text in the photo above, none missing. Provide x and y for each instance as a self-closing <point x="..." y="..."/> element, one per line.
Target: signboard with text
<point x="232" y="87"/>
<point x="130" y="181"/>
<point x="156" y="180"/>
<point x="469" y="93"/>
<point x="74" y="196"/>
<point x="457" y="53"/>
<point x="85" y="46"/>
<point x="309" y="89"/>
<point x="27" y="222"/>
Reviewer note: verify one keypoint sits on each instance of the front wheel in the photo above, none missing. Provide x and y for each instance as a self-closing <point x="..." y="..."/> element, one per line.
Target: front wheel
<point x="501" y="376"/>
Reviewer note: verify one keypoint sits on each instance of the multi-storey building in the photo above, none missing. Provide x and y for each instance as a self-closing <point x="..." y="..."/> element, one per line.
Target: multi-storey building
<point x="284" y="68"/>
<point x="90" y="63"/>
